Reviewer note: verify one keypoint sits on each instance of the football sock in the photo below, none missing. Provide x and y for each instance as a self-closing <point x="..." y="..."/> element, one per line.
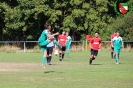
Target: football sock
<point x="67" y="53"/>
<point x="62" y="56"/>
<point x="116" y="58"/>
<point x="90" y="60"/>
<point x="93" y="58"/>
<point x="50" y="58"/>
<point x="112" y="54"/>
<point x="43" y="60"/>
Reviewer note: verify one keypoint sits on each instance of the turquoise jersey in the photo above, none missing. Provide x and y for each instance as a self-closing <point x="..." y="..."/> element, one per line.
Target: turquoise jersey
<point x="43" y="36"/>
<point x="69" y="39"/>
<point x="117" y="42"/>
<point x="68" y="42"/>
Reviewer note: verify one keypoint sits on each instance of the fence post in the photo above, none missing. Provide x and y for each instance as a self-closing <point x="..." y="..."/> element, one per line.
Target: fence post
<point x="24" y="47"/>
<point x="83" y="43"/>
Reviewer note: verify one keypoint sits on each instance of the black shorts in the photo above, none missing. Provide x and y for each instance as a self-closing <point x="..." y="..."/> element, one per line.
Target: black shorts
<point x="63" y="48"/>
<point x="49" y="50"/>
<point x="94" y="52"/>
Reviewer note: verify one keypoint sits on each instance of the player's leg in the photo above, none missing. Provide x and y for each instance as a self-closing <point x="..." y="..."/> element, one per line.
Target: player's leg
<point x="63" y="51"/>
<point x="43" y="47"/>
<point x="50" y="54"/>
<point x="56" y="43"/>
<point x="67" y="50"/>
<point x="116" y="58"/>
<point x="44" y="57"/>
<point x="92" y="55"/>
<point x="42" y="44"/>
<point x="47" y="55"/>
<point x="112" y="52"/>
<point x="60" y="54"/>
<point x="117" y="51"/>
<point x="95" y="54"/>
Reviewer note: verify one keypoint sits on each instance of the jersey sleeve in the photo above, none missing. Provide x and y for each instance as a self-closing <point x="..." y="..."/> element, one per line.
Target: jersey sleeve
<point x="113" y="39"/>
<point x="91" y="40"/>
<point x="121" y="40"/>
<point x="46" y="32"/>
<point x="100" y="41"/>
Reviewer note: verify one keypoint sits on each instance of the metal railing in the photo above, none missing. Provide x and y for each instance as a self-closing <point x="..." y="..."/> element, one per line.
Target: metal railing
<point x="75" y="46"/>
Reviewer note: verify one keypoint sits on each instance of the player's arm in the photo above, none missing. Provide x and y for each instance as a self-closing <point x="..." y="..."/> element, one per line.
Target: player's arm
<point x="70" y="40"/>
<point x="122" y="43"/>
<point x="90" y="44"/>
<point x="59" y="38"/>
<point x="52" y="35"/>
<point x="112" y="43"/>
<point x="100" y="44"/>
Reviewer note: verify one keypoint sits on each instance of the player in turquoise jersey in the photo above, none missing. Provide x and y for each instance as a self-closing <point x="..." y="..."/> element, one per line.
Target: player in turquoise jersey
<point x="117" y="43"/>
<point x="68" y="44"/>
<point x="43" y="41"/>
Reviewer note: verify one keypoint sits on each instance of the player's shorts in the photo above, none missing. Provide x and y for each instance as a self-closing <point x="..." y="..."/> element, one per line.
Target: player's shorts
<point x="63" y="48"/>
<point x="49" y="50"/>
<point x="117" y="50"/>
<point x="43" y="45"/>
<point x="43" y="49"/>
<point x="67" y="47"/>
<point x="94" y="52"/>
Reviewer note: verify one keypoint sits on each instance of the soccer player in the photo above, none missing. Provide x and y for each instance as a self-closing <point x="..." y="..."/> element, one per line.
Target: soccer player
<point x="112" y="48"/>
<point x="95" y="44"/>
<point x="117" y="43"/>
<point x="62" y="41"/>
<point x="43" y="41"/>
<point x="68" y="44"/>
<point x="49" y="52"/>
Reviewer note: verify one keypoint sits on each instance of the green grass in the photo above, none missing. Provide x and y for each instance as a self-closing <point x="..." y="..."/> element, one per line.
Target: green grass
<point x="23" y="70"/>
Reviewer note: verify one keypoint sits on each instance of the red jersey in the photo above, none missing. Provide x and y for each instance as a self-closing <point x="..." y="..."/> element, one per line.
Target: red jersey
<point x="62" y="40"/>
<point x="112" y="36"/>
<point x="95" y="43"/>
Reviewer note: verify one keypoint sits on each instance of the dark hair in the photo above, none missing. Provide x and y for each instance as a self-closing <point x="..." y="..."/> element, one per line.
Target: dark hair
<point x="46" y="25"/>
<point x="63" y="31"/>
<point x="115" y="31"/>
<point x="96" y="32"/>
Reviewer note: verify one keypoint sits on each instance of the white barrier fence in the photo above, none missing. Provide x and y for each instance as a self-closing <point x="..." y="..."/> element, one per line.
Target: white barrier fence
<point x="26" y="46"/>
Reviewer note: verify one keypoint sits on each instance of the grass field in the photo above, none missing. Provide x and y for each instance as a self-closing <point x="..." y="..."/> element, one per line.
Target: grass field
<point x="24" y="70"/>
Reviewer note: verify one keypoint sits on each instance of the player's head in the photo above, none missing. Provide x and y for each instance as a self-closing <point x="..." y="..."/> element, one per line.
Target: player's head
<point x="115" y="32"/>
<point x="47" y="26"/>
<point x="96" y="34"/>
<point x="63" y="32"/>
<point x="67" y="33"/>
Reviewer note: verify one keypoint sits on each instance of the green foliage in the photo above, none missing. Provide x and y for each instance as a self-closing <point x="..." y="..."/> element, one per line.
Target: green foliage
<point x="24" y="19"/>
<point x="124" y="26"/>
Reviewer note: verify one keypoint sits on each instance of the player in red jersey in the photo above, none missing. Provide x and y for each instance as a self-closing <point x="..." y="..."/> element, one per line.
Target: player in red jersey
<point x="112" y="48"/>
<point x="95" y="44"/>
<point x="62" y="41"/>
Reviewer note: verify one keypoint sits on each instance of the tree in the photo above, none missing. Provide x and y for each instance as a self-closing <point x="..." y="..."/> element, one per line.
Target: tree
<point x="24" y="20"/>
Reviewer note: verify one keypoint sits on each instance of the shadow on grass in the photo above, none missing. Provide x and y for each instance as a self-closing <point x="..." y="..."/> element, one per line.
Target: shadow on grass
<point x="49" y="72"/>
<point x="96" y="64"/>
<point x="45" y="72"/>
